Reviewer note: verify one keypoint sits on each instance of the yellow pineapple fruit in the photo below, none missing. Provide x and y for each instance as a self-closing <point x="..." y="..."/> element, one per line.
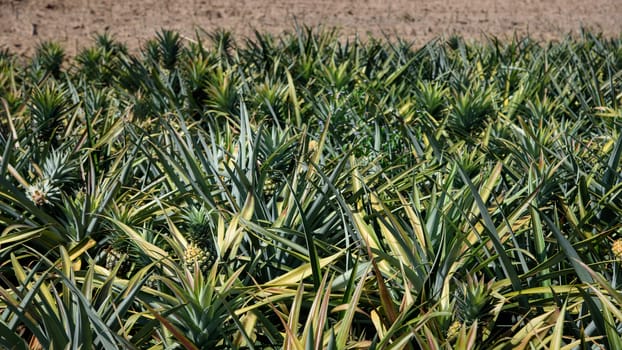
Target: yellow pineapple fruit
<point x="616" y="249"/>
<point x="197" y="255"/>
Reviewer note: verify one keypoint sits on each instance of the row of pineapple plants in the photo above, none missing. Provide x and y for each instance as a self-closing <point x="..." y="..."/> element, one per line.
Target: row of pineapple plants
<point x="306" y="191"/>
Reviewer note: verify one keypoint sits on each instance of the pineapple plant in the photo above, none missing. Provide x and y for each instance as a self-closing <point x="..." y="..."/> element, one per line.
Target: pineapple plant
<point x="170" y="48"/>
<point x="58" y="175"/>
<point x="196" y="72"/>
<point x="117" y="254"/>
<point x="224" y="44"/>
<point x="48" y="59"/>
<point x="431" y="98"/>
<point x="201" y="250"/>
<point x="222" y="92"/>
<point x="270" y="101"/>
<point x="277" y="155"/>
<point x="99" y="63"/>
<point x="470" y="111"/>
<point x="473" y="300"/>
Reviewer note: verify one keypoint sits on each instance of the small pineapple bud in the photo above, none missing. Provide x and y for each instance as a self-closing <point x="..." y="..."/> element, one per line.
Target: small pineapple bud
<point x="41" y="192"/>
<point x="616" y="249"/>
<point x="38" y="197"/>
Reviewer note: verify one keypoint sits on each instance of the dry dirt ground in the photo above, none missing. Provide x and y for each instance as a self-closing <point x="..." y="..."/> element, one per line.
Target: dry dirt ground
<point x="24" y="23"/>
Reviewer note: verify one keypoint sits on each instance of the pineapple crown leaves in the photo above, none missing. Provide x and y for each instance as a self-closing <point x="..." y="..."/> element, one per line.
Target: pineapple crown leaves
<point x="170" y="47"/>
<point x="271" y="99"/>
<point x="49" y="57"/>
<point x="59" y="173"/>
<point x="275" y="151"/>
<point x="99" y="62"/>
<point x="223" y="42"/>
<point x="222" y="92"/>
<point x="48" y="105"/>
<point x="118" y="241"/>
<point x="199" y="225"/>
<point x="196" y="72"/>
<point x="470" y="110"/>
<point x="5" y="55"/>
<point x="90" y="61"/>
<point x="431" y="97"/>
<point x="107" y="42"/>
<point x="60" y="168"/>
<point x="121" y="244"/>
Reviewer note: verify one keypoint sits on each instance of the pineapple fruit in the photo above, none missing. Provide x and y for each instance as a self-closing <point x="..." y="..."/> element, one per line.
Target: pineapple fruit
<point x="196" y="255"/>
<point x="616" y="249"/>
<point x="116" y="256"/>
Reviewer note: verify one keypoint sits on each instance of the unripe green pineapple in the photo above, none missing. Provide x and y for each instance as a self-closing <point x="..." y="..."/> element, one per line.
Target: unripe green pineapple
<point x="269" y="187"/>
<point x="115" y="257"/>
<point x="118" y="254"/>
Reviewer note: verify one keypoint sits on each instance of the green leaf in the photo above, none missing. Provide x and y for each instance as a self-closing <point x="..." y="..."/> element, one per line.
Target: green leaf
<point x="10" y="340"/>
<point x="558" y="329"/>
<point x="345" y="326"/>
<point x="314" y="258"/>
<point x="174" y="330"/>
<point x="612" y="173"/>
<point x="613" y="336"/>
<point x="570" y="252"/>
<point x="506" y="264"/>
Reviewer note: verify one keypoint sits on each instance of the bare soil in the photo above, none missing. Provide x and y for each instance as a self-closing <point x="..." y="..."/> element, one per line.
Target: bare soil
<point x="25" y="23"/>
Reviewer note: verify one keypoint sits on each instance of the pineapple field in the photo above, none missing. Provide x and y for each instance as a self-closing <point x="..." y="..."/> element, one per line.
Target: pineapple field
<point x="306" y="191"/>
